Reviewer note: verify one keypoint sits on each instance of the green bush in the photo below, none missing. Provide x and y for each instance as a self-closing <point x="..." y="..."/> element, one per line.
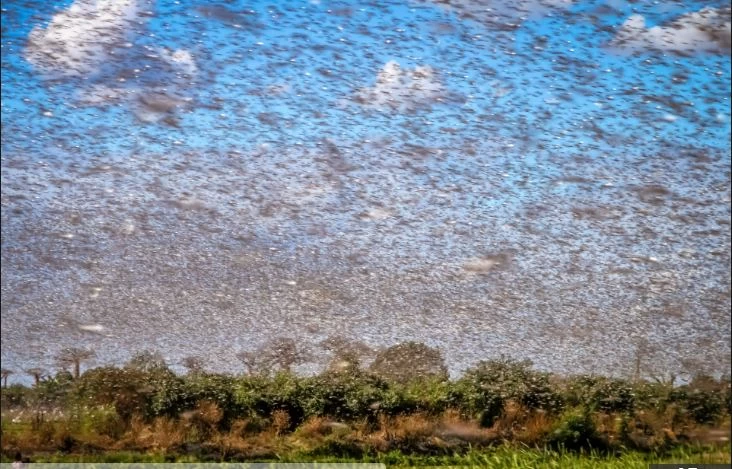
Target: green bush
<point x="262" y="396"/>
<point x="53" y="392"/>
<point x="102" y="420"/>
<point x="343" y="395"/>
<point x="486" y="387"/>
<point x="15" y="396"/>
<point x="651" y="396"/>
<point x="705" y="407"/>
<point x="125" y="389"/>
<point x="218" y="389"/>
<point x="431" y="396"/>
<point x="576" y="430"/>
<point x="601" y="394"/>
<point x="170" y="397"/>
<point x="477" y="400"/>
<point x="396" y="401"/>
<point x="103" y="402"/>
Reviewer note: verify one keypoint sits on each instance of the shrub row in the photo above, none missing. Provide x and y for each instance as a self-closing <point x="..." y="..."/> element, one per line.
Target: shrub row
<point x="354" y="395"/>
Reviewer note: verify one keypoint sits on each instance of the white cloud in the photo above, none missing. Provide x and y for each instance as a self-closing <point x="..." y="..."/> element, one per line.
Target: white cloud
<point x="707" y="30"/>
<point x="181" y="59"/>
<point x="402" y="89"/>
<point x="80" y="38"/>
<point x="102" y="95"/>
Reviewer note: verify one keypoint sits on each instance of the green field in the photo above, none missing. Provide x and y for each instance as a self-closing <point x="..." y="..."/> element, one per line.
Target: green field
<point x="504" y="457"/>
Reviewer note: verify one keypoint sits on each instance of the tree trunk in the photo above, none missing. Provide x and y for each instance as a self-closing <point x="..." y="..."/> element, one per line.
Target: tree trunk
<point x="77" y="369"/>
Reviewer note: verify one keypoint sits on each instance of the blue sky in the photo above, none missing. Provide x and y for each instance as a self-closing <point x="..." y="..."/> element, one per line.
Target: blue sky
<point x="462" y="168"/>
<point x="322" y="58"/>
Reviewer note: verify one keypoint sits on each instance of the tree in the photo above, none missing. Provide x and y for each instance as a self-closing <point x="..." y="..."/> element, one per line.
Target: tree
<point x="4" y="373"/>
<point x="346" y="354"/>
<point x="193" y="364"/>
<point x="72" y="357"/>
<point x="284" y="353"/>
<point x="511" y="379"/>
<point x="647" y="358"/>
<point x="251" y="361"/>
<point x="37" y="374"/>
<point x="409" y="361"/>
<point x="147" y="361"/>
<point x="128" y="390"/>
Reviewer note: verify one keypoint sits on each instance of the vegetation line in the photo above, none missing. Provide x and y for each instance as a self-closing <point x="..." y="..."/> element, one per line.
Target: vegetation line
<point x="401" y="409"/>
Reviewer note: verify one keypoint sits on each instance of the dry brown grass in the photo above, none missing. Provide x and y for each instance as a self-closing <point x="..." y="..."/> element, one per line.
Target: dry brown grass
<point x="162" y="435"/>
<point x="535" y="429"/>
<point x="280" y="422"/>
<point x="609" y="424"/>
<point x="512" y="419"/>
<point x="314" y="427"/>
<point x="407" y="427"/>
<point x="421" y="432"/>
<point x="200" y="431"/>
<point x="401" y="432"/>
<point x="455" y="430"/>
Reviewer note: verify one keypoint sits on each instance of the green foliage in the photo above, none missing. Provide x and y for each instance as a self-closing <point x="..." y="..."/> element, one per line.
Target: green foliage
<point x="53" y="392"/>
<point x="432" y="396"/>
<point x="706" y="407"/>
<point x="261" y="396"/>
<point x="397" y="401"/>
<point x="101" y="420"/>
<point x="15" y="396"/>
<point x="601" y="394"/>
<point x="170" y="396"/>
<point x="109" y="404"/>
<point x="347" y="395"/>
<point x="477" y="398"/>
<point x="215" y="388"/>
<point x="486" y="387"/>
<point x="704" y="401"/>
<point x="651" y="396"/>
<point x="285" y="393"/>
<point x="576" y="430"/>
<point x="125" y="389"/>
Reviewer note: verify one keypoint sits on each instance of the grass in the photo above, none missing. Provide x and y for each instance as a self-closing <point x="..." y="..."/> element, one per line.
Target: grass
<point x="502" y="457"/>
<point x="412" y="440"/>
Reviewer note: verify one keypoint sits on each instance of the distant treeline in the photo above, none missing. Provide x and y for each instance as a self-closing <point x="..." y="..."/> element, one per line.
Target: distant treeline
<point x="405" y="389"/>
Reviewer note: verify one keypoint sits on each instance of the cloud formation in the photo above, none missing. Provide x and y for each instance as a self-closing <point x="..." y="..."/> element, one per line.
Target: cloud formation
<point x="402" y="90"/>
<point x="81" y="38"/>
<point x="180" y="59"/>
<point x="707" y="30"/>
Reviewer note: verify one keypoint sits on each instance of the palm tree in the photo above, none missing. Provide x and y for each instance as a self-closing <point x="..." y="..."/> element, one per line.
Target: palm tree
<point x="4" y="373"/>
<point x="73" y="356"/>
<point x="36" y="373"/>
